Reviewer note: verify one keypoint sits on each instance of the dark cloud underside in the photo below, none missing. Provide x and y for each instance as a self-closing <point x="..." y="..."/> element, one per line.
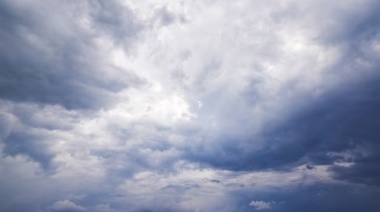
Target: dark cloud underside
<point x="47" y="57"/>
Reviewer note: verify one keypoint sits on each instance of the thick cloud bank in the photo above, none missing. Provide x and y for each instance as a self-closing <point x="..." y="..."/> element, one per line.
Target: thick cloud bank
<point x="123" y="105"/>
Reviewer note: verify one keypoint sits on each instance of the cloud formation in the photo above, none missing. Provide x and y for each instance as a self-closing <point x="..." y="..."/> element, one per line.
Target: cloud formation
<point x="67" y="206"/>
<point x="62" y="59"/>
<point x="189" y="106"/>
<point x="260" y="205"/>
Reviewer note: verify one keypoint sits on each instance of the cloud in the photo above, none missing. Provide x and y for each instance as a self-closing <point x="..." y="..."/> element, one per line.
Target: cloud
<point x="260" y="205"/>
<point x="61" y="59"/>
<point x="189" y="106"/>
<point x="301" y="120"/>
<point x="343" y="120"/>
<point x="310" y="197"/>
<point x="66" y="205"/>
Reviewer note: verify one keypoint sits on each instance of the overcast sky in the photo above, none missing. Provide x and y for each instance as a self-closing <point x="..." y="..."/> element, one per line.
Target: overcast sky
<point x="189" y="105"/>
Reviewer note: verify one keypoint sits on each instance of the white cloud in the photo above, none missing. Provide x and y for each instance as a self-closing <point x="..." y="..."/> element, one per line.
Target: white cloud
<point x="66" y="205"/>
<point x="261" y="205"/>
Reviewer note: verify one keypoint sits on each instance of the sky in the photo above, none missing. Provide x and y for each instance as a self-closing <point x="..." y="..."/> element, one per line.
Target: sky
<point x="189" y="106"/>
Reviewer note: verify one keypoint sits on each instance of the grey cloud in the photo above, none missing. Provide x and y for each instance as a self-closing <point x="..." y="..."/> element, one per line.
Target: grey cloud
<point x="165" y="17"/>
<point x="317" y="197"/>
<point x="30" y="130"/>
<point x="48" y="57"/>
<point x="365" y="168"/>
<point x="115" y="20"/>
<point x="215" y="181"/>
<point x="51" y="68"/>
<point x="24" y="186"/>
<point x="352" y="26"/>
<point x="343" y="120"/>
<point x="32" y="145"/>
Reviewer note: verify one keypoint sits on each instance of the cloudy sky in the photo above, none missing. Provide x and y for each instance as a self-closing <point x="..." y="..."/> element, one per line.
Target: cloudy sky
<point x="189" y="105"/>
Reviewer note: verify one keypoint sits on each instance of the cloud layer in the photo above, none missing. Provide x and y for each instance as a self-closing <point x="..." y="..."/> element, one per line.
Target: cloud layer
<point x="189" y="106"/>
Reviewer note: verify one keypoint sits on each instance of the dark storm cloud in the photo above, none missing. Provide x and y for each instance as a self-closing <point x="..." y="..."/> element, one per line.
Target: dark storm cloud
<point x="318" y="197"/>
<point x="345" y="119"/>
<point x="46" y="56"/>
